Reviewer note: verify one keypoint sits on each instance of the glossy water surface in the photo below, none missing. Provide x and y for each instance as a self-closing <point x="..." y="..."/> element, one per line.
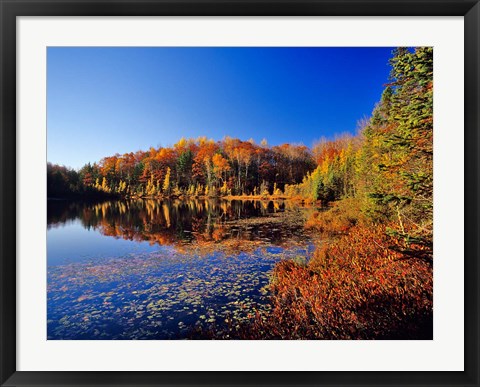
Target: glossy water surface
<point x="171" y="269"/>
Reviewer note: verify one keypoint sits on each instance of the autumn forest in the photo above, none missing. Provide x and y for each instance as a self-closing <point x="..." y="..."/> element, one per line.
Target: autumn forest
<point x="368" y="212"/>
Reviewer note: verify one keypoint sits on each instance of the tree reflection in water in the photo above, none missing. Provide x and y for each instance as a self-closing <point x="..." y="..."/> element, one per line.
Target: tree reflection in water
<point x="203" y="223"/>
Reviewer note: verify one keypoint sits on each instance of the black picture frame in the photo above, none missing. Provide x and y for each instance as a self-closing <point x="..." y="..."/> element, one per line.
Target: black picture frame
<point x="10" y="9"/>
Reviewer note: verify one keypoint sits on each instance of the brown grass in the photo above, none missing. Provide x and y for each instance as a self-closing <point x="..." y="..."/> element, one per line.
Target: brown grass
<point x="339" y="218"/>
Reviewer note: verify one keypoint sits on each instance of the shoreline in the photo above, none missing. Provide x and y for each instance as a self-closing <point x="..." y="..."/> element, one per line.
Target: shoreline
<point x="187" y="197"/>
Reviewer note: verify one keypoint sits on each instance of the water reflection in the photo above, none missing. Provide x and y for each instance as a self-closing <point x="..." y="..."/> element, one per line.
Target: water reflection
<point x="179" y="222"/>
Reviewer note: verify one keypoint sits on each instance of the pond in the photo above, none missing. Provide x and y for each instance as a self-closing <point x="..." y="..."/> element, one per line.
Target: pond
<point x="165" y="269"/>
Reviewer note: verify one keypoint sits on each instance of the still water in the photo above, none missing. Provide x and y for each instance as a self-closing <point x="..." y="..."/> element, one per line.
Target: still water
<point x="171" y="269"/>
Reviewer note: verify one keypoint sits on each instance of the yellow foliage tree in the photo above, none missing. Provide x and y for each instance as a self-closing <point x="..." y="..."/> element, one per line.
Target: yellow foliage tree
<point x="166" y="182"/>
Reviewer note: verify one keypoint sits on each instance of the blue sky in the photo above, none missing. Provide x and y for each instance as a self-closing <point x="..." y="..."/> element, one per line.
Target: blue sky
<point x="102" y="101"/>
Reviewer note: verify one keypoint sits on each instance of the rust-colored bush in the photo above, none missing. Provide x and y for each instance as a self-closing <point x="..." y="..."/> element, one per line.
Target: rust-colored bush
<point x="364" y="285"/>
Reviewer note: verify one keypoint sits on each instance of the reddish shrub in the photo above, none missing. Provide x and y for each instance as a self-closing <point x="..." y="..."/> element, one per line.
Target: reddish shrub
<point x="364" y="285"/>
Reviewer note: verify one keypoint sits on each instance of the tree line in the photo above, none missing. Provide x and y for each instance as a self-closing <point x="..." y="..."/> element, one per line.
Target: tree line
<point x="193" y="167"/>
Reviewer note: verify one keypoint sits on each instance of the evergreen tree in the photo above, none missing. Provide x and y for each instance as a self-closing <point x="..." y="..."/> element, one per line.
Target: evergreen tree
<point x="400" y="144"/>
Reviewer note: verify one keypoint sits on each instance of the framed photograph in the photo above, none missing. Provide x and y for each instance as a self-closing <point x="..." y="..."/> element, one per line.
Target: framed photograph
<point x="225" y="193"/>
